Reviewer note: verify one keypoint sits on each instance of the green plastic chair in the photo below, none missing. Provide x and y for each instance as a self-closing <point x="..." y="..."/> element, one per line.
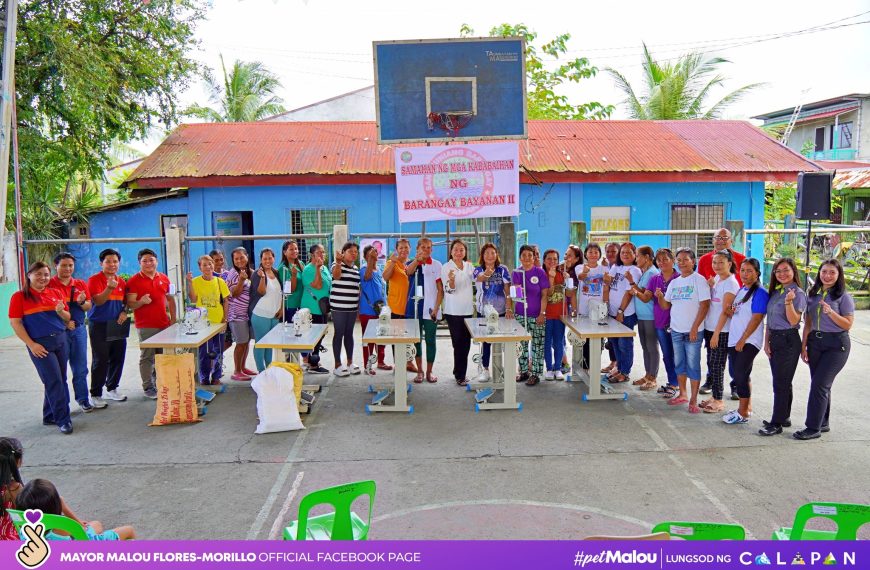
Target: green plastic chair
<point x="342" y="524"/>
<point x="701" y="530"/>
<point x="51" y="522"/>
<point x="848" y="518"/>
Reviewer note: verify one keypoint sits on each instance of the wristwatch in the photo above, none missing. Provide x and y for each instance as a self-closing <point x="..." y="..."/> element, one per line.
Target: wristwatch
<point x="620" y="311"/>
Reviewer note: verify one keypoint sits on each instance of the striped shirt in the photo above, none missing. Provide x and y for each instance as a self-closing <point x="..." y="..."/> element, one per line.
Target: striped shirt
<point x="238" y="304"/>
<point x="344" y="295"/>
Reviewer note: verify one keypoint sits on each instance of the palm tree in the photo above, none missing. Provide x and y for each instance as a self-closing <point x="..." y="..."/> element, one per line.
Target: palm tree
<point x="677" y="89"/>
<point x="247" y="94"/>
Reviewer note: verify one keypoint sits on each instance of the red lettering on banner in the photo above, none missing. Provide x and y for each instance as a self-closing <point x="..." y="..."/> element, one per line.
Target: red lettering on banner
<point x="459" y="183"/>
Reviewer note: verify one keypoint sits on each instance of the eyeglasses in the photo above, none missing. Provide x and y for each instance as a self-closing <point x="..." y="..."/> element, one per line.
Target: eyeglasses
<point x="721" y="238"/>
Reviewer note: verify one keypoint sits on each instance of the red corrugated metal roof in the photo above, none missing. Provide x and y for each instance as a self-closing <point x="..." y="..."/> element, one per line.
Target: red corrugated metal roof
<point x="324" y="152"/>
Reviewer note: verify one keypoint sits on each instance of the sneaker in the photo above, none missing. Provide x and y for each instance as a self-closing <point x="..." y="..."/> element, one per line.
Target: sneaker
<point x="805" y="434"/>
<point x="549" y="375"/>
<point x="558" y="375"/>
<point x="318" y="370"/>
<point x="354" y="369"/>
<point x="734" y="395"/>
<point x="706" y="388"/>
<point x="151" y="393"/>
<point x="66" y="428"/>
<point x="341" y="372"/>
<point x="483" y="377"/>
<point x="114" y="395"/>
<point x="734" y="417"/>
<point x="98" y="402"/>
<point x="86" y="406"/>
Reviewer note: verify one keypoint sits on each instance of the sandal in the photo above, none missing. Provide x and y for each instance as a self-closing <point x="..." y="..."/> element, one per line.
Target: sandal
<point x="533" y="379"/>
<point x="607" y="369"/>
<point x="384" y="366"/>
<point x="648" y="385"/>
<point x="418" y="379"/>
<point x="462" y="381"/>
<point x="431" y="379"/>
<point x="640" y="381"/>
<point x="523" y="377"/>
<point x="677" y="401"/>
<point x="694" y="409"/>
<point x="666" y="389"/>
<point x="706" y="403"/>
<point x="715" y="408"/>
<point x="618" y="379"/>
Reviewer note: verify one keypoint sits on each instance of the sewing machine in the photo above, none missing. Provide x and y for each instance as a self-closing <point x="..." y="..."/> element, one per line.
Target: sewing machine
<point x="490" y="316"/>
<point x="598" y="311"/>
<point x="195" y="320"/>
<point x="385" y="321"/>
<point x="302" y="321"/>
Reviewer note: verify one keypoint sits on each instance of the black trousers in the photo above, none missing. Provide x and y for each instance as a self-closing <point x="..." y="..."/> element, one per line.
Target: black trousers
<point x="828" y="354"/>
<point x="107" y="359"/>
<point x="785" y="351"/>
<point x="461" y="340"/>
<point x="742" y="368"/>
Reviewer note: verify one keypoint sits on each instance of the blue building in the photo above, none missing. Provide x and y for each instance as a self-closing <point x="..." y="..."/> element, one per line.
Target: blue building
<point x="305" y="177"/>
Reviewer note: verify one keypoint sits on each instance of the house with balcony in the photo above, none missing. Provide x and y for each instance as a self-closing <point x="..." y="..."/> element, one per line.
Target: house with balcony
<point x="836" y="129"/>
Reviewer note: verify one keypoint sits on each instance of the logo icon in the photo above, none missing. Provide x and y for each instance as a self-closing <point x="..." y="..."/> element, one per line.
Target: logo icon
<point x="34" y="550"/>
<point x="406" y="156"/>
<point x="830" y="560"/>
<point x="762" y="559"/>
<point x="798" y="560"/>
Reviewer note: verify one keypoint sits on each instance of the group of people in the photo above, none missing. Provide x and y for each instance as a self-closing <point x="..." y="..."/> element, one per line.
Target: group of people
<point x="677" y="303"/>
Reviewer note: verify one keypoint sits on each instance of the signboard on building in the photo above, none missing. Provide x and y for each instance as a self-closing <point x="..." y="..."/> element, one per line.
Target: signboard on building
<point x="612" y="219"/>
<point x="459" y="181"/>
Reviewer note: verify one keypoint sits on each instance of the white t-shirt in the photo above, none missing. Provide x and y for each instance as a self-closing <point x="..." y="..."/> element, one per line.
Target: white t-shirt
<point x="619" y="285"/>
<point x="459" y="301"/>
<point x="717" y="293"/>
<point x="743" y="313"/>
<point x="431" y="277"/>
<point x="685" y="295"/>
<point x="590" y="288"/>
<point x="268" y="305"/>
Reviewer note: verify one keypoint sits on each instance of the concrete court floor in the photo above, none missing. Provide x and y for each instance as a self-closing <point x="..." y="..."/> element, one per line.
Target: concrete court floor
<point x="560" y="469"/>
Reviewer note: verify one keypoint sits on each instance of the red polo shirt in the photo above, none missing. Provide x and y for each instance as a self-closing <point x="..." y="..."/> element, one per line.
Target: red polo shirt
<point x="153" y="315"/>
<point x="38" y="314"/>
<point x="705" y="265"/>
<point x="70" y="294"/>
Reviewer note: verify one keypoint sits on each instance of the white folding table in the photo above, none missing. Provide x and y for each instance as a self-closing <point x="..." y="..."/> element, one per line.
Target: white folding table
<point x="594" y="333"/>
<point x="403" y="334"/>
<point x="282" y="338"/>
<point x="510" y="333"/>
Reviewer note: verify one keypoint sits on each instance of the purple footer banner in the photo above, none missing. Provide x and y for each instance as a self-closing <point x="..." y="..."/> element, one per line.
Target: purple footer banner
<point x="453" y="555"/>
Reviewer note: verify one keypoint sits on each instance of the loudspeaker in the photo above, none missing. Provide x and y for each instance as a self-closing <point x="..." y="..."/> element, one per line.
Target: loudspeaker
<point x="814" y="195"/>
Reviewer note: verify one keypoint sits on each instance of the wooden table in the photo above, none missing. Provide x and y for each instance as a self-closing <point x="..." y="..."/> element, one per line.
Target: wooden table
<point x="594" y="333"/>
<point x="403" y="334"/>
<point x="510" y="332"/>
<point x="282" y="338"/>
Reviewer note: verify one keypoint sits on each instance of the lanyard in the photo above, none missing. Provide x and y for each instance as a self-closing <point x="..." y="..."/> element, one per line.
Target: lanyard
<point x="819" y="311"/>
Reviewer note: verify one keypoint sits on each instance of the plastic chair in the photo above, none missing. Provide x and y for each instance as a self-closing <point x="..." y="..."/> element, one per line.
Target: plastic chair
<point x="701" y="530"/>
<point x="342" y="524"/>
<point x="51" y="522"/>
<point x="848" y="518"/>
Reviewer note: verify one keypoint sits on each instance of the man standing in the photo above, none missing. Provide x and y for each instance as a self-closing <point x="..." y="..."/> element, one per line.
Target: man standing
<point x="147" y="295"/>
<point x="76" y="294"/>
<point x="721" y="240"/>
<point x="107" y="329"/>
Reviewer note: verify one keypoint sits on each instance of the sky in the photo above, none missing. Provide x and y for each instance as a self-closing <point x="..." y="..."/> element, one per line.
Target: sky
<point x="322" y="48"/>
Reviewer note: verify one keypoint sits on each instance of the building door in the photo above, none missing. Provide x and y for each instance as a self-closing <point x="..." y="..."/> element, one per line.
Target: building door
<point x="231" y="224"/>
<point x="696" y="217"/>
<point x="820" y="139"/>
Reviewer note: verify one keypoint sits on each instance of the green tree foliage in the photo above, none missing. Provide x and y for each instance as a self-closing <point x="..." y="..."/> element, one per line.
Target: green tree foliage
<point x="677" y="89"/>
<point x="90" y="75"/>
<point x="246" y="94"/>
<point x="543" y="82"/>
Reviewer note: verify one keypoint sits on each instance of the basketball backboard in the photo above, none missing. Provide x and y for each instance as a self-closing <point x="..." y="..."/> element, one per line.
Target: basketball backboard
<point x="450" y="89"/>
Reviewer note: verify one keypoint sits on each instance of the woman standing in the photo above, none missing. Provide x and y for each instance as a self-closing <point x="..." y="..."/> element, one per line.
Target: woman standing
<point x="39" y="317"/>
<point x="316" y="284"/>
<point x="662" y="319"/>
<point x="554" y="328"/>
<point x="493" y="288"/>
<point x="826" y="343"/>
<point x="716" y="327"/>
<point x="530" y="313"/>
<point x="397" y="289"/>
<point x="619" y="280"/>
<point x="590" y="285"/>
<point x="211" y="293"/>
<point x="426" y="276"/>
<point x="344" y="304"/>
<point x="264" y="308"/>
<point x="688" y="298"/>
<point x="611" y="256"/>
<point x="573" y="260"/>
<point x="745" y="336"/>
<point x="646" y="326"/>
<point x="457" y="275"/>
<point x="782" y="341"/>
<point x="290" y="270"/>
<point x="238" y="319"/>
<point x="370" y="303"/>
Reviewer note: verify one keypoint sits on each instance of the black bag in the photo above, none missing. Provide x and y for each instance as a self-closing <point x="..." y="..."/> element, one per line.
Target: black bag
<point x="323" y="303"/>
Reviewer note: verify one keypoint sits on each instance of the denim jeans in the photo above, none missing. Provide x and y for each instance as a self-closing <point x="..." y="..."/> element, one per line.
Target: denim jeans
<point x="554" y="344"/>
<point x="667" y="346"/>
<point x="687" y="355"/>
<point x="623" y="347"/>
<point x="78" y="361"/>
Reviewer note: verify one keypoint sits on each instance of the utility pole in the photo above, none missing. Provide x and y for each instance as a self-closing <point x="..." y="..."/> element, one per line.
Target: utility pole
<point x="7" y="100"/>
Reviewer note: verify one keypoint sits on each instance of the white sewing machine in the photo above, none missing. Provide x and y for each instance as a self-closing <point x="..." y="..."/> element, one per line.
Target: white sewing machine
<point x="195" y="320"/>
<point x="385" y="321"/>
<point x="490" y="316"/>
<point x="598" y="311"/>
<point x="302" y="321"/>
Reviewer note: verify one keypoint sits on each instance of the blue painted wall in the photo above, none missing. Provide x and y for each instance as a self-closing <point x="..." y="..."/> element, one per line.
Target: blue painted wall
<point x="545" y="212"/>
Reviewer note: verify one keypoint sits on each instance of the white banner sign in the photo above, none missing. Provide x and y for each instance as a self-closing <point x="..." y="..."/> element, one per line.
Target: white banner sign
<point x="459" y="181"/>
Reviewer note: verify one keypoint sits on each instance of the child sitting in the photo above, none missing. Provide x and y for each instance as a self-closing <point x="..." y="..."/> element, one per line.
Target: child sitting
<point x="41" y="494"/>
<point x="10" y="483"/>
<point x="210" y="292"/>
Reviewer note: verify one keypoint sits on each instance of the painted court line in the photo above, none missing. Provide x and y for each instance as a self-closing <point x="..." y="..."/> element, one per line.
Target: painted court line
<point x="276" y="526"/>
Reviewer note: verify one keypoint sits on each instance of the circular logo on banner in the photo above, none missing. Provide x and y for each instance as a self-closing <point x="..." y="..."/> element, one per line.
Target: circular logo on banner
<point x="458" y="182"/>
<point x="534" y="280"/>
<point x="406" y="156"/>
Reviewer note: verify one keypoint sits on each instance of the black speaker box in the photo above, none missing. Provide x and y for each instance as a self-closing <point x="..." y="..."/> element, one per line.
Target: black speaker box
<point x="814" y="195"/>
